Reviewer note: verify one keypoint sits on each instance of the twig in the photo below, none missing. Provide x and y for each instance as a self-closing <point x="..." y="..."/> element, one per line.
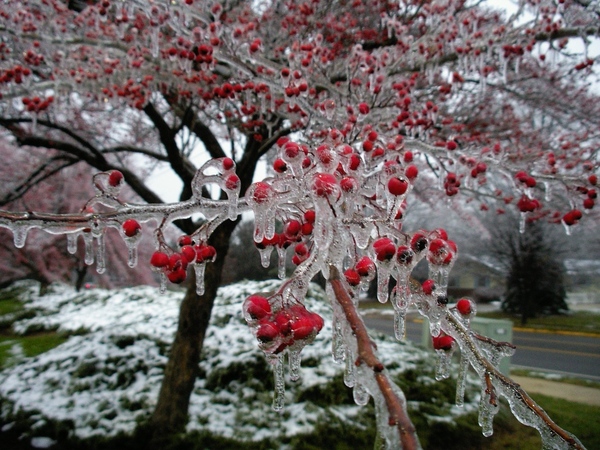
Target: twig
<point x="397" y="413"/>
<point x="491" y="372"/>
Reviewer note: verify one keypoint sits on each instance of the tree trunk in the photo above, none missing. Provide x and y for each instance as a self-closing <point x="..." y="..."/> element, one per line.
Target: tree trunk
<point x="171" y="413"/>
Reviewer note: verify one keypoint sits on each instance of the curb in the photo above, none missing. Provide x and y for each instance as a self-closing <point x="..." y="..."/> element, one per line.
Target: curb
<point x="561" y="332"/>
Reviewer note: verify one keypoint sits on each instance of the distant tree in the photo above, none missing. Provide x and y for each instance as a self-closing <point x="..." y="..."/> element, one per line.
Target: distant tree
<point x="535" y="276"/>
<point x="535" y="284"/>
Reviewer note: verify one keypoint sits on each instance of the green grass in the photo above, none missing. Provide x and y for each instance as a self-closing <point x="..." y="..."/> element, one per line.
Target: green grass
<point x="579" y="321"/>
<point x="32" y="345"/>
<point x="579" y="419"/>
<point x="10" y="305"/>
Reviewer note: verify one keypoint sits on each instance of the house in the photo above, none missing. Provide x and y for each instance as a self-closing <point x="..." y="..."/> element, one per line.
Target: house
<point x="478" y="277"/>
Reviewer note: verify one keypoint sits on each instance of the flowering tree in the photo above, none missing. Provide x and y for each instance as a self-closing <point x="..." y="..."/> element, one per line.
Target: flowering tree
<point x="367" y="105"/>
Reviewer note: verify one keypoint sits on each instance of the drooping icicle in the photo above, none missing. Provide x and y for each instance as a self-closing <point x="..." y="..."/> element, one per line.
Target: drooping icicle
<point x="281" y="251"/>
<point x="88" y="240"/>
<point x="360" y="393"/>
<point x="132" y="255"/>
<point x="279" y="383"/>
<point x="461" y="381"/>
<point x="442" y="368"/>
<point x="100" y="253"/>
<point x="350" y="370"/>
<point x="294" y="363"/>
<point x="199" y="272"/>
<point x="265" y="255"/>
<point x="19" y="236"/>
<point x="383" y="281"/>
<point x="72" y="243"/>
<point x="399" y="324"/>
<point x="338" y="347"/>
<point x="163" y="282"/>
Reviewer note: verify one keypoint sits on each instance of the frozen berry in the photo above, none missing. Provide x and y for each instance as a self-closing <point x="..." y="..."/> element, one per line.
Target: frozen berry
<point x="131" y="227"/>
<point x="464" y="306"/>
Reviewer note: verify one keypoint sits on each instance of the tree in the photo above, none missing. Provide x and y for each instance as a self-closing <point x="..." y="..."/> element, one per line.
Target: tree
<point x="384" y="98"/>
<point x="44" y="257"/>
<point x="535" y="282"/>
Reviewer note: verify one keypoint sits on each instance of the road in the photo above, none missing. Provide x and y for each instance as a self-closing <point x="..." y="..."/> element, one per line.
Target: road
<point x="577" y="356"/>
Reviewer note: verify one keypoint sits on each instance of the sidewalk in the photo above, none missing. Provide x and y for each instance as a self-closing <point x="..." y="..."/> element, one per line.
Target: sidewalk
<point x="565" y="391"/>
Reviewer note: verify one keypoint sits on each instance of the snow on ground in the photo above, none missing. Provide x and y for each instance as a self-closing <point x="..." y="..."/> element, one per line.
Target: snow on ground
<point x="105" y="378"/>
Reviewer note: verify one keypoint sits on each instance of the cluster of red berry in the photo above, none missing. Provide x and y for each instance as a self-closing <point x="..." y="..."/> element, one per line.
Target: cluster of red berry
<point x="174" y="265"/>
<point x="37" y="104"/>
<point x="281" y="327"/>
<point x="294" y="231"/>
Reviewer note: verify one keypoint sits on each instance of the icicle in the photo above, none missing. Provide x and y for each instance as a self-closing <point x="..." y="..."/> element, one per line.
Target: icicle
<point x="265" y="255"/>
<point x="461" y="381"/>
<point x="383" y="282"/>
<point x="281" y="263"/>
<point x="101" y="254"/>
<point x="522" y="222"/>
<point x="72" y="243"/>
<point x="486" y="416"/>
<point x="399" y="324"/>
<point x="360" y="393"/>
<point x="19" y="235"/>
<point x="338" y="347"/>
<point x="132" y="256"/>
<point x="199" y="271"/>
<point x="279" y="382"/>
<point x="350" y="370"/>
<point x="88" y="240"/>
<point x="163" y="282"/>
<point x="442" y="369"/>
<point x="294" y="362"/>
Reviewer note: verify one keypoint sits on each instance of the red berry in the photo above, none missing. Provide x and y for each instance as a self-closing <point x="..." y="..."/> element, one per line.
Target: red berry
<point x="428" y="287"/>
<point x="352" y="277"/>
<point x="262" y="192"/>
<point x="114" y="178"/>
<point x="205" y="253"/>
<point x="363" y="108"/>
<point x="279" y="165"/>
<point x="185" y="240"/>
<point x="159" y="259"/>
<point x="384" y="249"/>
<point x="396" y="186"/>
<point x="411" y="172"/>
<point x="442" y="342"/>
<point x="233" y="182"/>
<point x="324" y="184"/>
<point x="267" y="332"/>
<point x="418" y="243"/>
<point x="310" y="216"/>
<point x="292" y="229"/>
<point x="302" y="327"/>
<point x="404" y="255"/>
<point x="189" y="253"/>
<point x="228" y="163"/>
<point x="348" y="184"/>
<point x="131" y="227"/>
<point x="593" y="179"/>
<point x="451" y="145"/>
<point x="464" y="306"/>
<point x="365" y="267"/>
<point x="307" y="228"/>
<point x="257" y="307"/>
<point x="176" y="261"/>
<point x="301" y="249"/>
<point x="177" y="276"/>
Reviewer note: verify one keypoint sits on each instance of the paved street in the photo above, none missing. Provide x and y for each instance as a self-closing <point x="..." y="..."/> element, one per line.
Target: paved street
<point x="577" y="356"/>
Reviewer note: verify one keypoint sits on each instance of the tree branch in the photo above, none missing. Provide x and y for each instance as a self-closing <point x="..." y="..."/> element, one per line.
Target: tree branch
<point x="395" y="406"/>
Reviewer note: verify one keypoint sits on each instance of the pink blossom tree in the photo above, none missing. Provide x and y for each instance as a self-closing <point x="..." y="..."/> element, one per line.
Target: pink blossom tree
<point x="360" y="107"/>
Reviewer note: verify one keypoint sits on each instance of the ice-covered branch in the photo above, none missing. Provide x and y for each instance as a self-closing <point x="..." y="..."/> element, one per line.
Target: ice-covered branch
<point x="395" y="401"/>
